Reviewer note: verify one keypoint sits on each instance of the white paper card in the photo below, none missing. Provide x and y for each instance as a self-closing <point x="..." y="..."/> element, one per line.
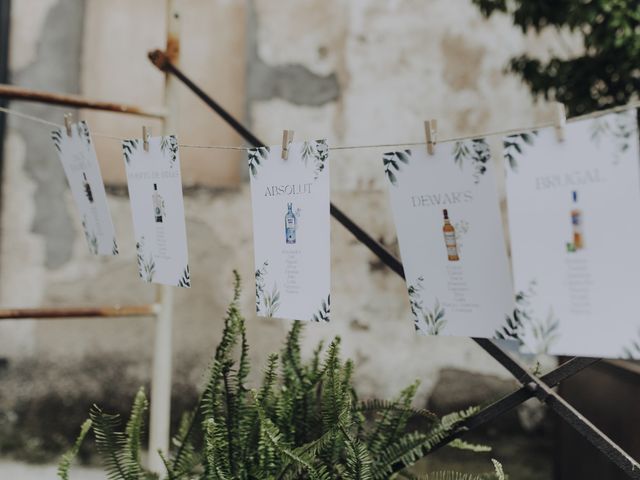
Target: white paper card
<point x="155" y="193"/>
<point x="290" y="200"/>
<point x="78" y="157"/>
<point x="574" y="218"/>
<point x="447" y="217"/>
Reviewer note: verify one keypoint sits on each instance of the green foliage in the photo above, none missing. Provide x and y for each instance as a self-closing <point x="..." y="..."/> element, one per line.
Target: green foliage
<point x="304" y="422"/>
<point x="67" y="458"/>
<point x="606" y="74"/>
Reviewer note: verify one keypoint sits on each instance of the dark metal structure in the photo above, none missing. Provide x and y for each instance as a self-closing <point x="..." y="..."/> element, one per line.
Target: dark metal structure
<point x="532" y="385"/>
<point x="5" y="18"/>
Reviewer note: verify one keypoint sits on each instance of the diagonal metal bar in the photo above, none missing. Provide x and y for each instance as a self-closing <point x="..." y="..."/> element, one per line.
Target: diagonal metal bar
<point x="161" y="60"/>
<point x="563" y="409"/>
<point x="532" y="385"/>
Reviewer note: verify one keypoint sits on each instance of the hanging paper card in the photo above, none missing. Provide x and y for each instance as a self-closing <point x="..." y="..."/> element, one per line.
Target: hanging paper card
<point x="81" y="167"/>
<point x="574" y="223"/>
<point x="155" y="193"/>
<point x="446" y="212"/>
<point x="290" y="200"/>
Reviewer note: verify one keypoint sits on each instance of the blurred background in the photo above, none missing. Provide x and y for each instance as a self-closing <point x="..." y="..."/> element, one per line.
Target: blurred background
<point x="355" y="72"/>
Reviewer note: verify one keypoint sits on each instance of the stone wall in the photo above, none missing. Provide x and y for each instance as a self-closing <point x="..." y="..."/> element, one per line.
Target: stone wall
<point x="355" y="72"/>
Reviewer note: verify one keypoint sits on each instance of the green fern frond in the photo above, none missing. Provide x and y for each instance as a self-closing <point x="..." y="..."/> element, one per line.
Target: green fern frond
<point x="449" y="475"/>
<point x="358" y="461"/>
<point x="376" y="406"/>
<point x="65" y="462"/>
<point x="472" y="447"/>
<point x="133" y="432"/>
<point x="111" y="444"/>
<point x="497" y="466"/>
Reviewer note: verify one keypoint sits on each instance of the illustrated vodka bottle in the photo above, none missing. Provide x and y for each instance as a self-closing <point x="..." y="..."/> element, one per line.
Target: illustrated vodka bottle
<point x="158" y="205"/>
<point x="290" y="224"/>
<point x="450" y="238"/>
<point x="576" y="221"/>
<point x="87" y="188"/>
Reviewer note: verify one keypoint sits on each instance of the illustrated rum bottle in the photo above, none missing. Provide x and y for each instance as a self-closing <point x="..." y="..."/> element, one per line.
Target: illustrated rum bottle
<point x="576" y="221"/>
<point x="290" y="224"/>
<point x="450" y="238"/>
<point x="158" y="205"/>
<point x="87" y="188"/>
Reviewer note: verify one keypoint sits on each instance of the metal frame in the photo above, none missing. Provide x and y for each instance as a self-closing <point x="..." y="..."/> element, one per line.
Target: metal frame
<point x="5" y="20"/>
<point x="162" y="309"/>
<point x="532" y="385"/>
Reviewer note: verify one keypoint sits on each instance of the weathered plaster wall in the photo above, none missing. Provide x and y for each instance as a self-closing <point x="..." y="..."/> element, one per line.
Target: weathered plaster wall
<point x="356" y="72"/>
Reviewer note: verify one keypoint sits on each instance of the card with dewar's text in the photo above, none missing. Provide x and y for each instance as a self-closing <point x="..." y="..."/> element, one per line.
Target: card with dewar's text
<point x="446" y="211"/>
<point x="155" y="194"/>
<point x="290" y="201"/>
<point x="78" y="156"/>
<point x="574" y="224"/>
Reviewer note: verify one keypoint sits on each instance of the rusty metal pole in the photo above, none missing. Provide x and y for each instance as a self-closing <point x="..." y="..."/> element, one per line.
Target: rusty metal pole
<point x="160" y="421"/>
<point x="13" y="92"/>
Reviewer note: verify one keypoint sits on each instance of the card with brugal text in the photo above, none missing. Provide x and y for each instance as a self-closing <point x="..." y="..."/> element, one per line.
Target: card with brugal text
<point x="574" y="226"/>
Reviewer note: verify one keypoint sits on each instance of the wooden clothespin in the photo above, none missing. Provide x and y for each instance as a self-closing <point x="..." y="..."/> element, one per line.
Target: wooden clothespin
<point x="431" y="132"/>
<point x="287" y="138"/>
<point x="146" y="133"/>
<point x="560" y="120"/>
<point x="68" y="118"/>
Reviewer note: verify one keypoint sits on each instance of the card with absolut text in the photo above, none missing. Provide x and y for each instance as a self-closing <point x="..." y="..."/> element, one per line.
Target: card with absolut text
<point x="447" y="217"/>
<point x="155" y="194"/>
<point x="80" y="163"/>
<point x="574" y="225"/>
<point x="290" y="201"/>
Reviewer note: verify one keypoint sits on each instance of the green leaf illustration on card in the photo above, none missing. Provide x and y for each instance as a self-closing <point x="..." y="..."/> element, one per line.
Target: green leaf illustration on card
<point x="632" y="350"/>
<point x="257" y="156"/>
<point x="432" y="321"/>
<point x="392" y="164"/>
<point x="185" y="278"/>
<point x="146" y="264"/>
<point x="56" y="136"/>
<point x="128" y="148"/>
<point x="538" y="333"/>
<point x="169" y="147"/>
<point x="83" y="131"/>
<point x="476" y="152"/>
<point x="322" y="315"/>
<point x="92" y="239"/>
<point x="514" y="145"/>
<point x="267" y="302"/>
<point x="620" y="127"/>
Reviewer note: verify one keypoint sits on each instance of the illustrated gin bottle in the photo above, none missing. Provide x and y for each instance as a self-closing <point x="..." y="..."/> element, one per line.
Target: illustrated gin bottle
<point x="576" y="222"/>
<point x="87" y="188"/>
<point x="290" y="224"/>
<point x="158" y="205"/>
<point x="450" y="238"/>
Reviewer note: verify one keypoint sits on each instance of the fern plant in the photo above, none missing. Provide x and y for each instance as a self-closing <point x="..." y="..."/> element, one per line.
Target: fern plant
<point x="304" y="422"/>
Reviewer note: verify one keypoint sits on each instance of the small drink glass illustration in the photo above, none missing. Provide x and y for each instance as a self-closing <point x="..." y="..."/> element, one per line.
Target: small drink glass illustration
<point x="87" y="188"/>
<point x="290" y="224"/>
<point x="158" y="205"/>
<point x="450" y="238"/>
<point x="576" y="221"/>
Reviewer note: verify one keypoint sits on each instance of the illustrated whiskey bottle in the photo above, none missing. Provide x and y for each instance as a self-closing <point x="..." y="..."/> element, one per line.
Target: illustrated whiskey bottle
<point x="158" y="205"/>
<point x="87" y="188"/>
<point x="450" y="238"/>
<point x="290" y="224"/>
<point x="576" y="221"/>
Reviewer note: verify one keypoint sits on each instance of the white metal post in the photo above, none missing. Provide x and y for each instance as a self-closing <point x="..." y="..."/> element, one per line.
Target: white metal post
<point x="161" y="379"/>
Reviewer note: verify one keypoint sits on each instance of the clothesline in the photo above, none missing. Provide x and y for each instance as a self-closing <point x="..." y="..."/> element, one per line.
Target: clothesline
<point x="598" y="113"/>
